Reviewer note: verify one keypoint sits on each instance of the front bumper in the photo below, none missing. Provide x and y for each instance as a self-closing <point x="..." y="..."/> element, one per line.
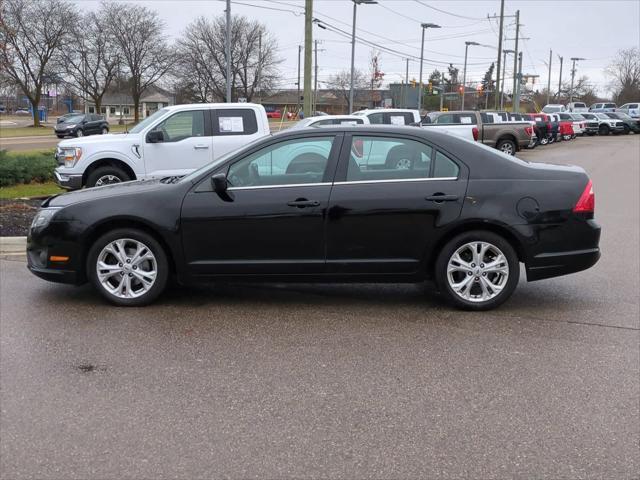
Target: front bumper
<point x="43" y="245"/>
<point x="68" y="181"/>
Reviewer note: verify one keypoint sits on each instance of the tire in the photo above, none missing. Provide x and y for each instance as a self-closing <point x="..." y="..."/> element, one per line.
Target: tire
<point x="627" y="129"/>
<point x="60" y="136"/>
<point x="79" y="133"/>
<point x="566" y="137"/>
<point x="128" y="283"/>
<point x="467" y="299"/>
<point x="603" y="130"/>
<point x="507" y="146"/>
<point x="105" y="176"/>
<point x="544" y="141"/>
<point x="104" y="131"/>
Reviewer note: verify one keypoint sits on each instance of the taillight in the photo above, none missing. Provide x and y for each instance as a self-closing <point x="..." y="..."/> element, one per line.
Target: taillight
<point x="528" y="130"/>
<point x="587" y="201"/>
<point x="474" y="130"/>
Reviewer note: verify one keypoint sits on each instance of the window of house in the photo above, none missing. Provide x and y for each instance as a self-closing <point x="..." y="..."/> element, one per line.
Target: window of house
<point x="125" y="110"/>
<point x="92" y="109"/>
<point x="112" y="110"/>
<point x="103" y="110"/>
<point x="290" y="162"/>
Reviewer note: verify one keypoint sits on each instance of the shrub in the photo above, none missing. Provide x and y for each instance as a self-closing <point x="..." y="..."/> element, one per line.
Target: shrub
<point x="26" y="167"/>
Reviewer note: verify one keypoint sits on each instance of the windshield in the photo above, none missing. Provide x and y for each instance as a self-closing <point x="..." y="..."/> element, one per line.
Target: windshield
<point x="577" y="116"/>
<point x="622" y="115"/>
<point x="589" y="116"/>
<point x="73" y="118"/>
<point x="580" y="105"/>
<point x="609" y="105"/>
<point x="602" y="116"/>
<point x="147" y="121"/>
<point x="551" y="109"/>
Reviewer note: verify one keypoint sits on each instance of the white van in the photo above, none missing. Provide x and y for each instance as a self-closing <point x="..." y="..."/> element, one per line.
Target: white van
<point x="173" y="141"/>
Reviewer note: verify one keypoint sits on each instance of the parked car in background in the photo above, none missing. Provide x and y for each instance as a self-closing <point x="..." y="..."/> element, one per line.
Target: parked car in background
<point x="520" y="117"/>
<point x="553" y="108"/>
<point x="274" y="114"/>
<point x="22" y="111"/>
<point x="630" y="124"/>
<point x="79" y="125"/>
<point x="577" y="107"/>
<point x="390" y="116"/>
<point x="173" y="141"/>
<point x="602" y="107"/>
<point x="631" y="109"/>
<point x="541" y="126"/>
<point x="323" y="205"/>
<point x="507" y="137"/>
<point x="609" y="125"/>
<point x="592" y="123"/>
<point x="330" y="120"/>
<point x="576" y="121"/>
<point x="554" y="133"/>
<point x="3" y="109"/>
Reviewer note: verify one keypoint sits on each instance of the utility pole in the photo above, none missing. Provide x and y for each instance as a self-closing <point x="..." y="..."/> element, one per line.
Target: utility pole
<point x="406" y="86"/>
<point x="516" y="102"/>
<point x="353" y="46"/>
<point x="573" y="74"/>
<point x="515" y="55"/>
<point x="495" y="100"/>
<point x="464" y="71"/>
<point x="308" y="39"/>
<point x="259" y="67"/>
<point x="549" y="79"/>
<point x="560" y="79"/>
<point x="227" y="42"/>
<point x="298" y="84"/>
<point x="315" y="75"/>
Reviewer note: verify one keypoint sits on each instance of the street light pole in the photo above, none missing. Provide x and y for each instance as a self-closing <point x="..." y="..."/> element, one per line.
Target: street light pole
<point x="227" y="42"/>
<point x="573" y="74"/>
<point x="464" y="71"/>
<point x="504" y="68"/>
<point x="424" y="27"/>
<point x="353" y="47"/>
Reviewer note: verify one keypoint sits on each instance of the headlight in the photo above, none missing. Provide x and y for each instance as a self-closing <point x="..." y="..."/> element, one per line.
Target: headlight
<point x="71" y="155"/>
<point x="43" y="217"/>
<point x="71" y="126"/>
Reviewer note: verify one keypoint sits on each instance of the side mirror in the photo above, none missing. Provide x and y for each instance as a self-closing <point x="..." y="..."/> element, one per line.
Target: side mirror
<point x="155" y="136"/>
<point x="219" y="183"/>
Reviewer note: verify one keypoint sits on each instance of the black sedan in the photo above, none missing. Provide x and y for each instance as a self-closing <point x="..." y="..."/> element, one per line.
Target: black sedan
<point x="343" y="204"/>
<point x="78" y="125"/>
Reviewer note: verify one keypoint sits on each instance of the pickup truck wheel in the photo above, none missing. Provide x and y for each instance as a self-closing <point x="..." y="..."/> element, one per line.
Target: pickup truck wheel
<point x="627" y="130"/>
<point x="544" y="141"/>
<point x="507" y="146"/>
<point x="105" y="130"/>
<point x="603" y="130"/>
<point x="477" y="270"/>
<point x="105" y="176"/>
<point x="566" y="137"/>
<point x="79" y="133"/>
<point x="128" y="267"/>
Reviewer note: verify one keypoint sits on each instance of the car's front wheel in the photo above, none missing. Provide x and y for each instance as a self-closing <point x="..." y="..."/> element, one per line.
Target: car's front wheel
<point x="105" y="176"/>
<point x="105" y="130"/>
<point x="477" y="270"/>
<point x="79" y="133"/>
<point x="128" y="267"/>
<point x="603" y="130"/>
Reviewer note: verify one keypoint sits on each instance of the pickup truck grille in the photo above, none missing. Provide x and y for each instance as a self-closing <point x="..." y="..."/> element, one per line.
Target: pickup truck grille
<point x="592" y="124"/>
<point x="619" y="124"/>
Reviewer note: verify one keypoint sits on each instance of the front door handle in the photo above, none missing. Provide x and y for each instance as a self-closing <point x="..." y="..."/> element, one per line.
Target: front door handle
<point x="441" y="197"/>
<point x="200" y="147"/>
<point x="303" y="203"/>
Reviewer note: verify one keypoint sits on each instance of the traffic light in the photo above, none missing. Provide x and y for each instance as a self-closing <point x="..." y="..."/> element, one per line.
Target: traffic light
<point x="461" y="90"/>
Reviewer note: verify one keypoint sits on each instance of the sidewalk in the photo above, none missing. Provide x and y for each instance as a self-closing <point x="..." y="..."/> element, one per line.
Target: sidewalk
<point x="13" y="247"/>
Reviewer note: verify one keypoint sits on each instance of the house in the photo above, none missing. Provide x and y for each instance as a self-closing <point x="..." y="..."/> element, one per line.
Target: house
<point x="118" y="106"/>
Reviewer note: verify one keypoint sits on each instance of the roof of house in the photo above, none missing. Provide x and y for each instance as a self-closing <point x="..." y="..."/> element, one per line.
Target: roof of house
<point x="152" y="94"/>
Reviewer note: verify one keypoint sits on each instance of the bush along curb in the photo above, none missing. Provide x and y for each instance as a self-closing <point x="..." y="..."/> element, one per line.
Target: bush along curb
<point x="18" y="168"/>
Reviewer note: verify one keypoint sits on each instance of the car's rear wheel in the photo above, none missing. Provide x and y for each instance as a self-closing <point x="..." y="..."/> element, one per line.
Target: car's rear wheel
<point x="477" y="270"/>
<point x="544" y="141"/>
<point x="79" y="133"/>
<point x="105" y="176"/>
<point x="105" y="130"/>
<point x="603" y="130"/>
<point x="507" y="146"/>
<point x="128" y="267"/>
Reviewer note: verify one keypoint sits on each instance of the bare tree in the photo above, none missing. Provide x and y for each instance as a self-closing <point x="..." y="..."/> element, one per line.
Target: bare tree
<point x="32" y="33"/>
<point x="202" y="60"/>
<point x="93" y="62"/>
<point x="139" y="34"/>
<point x="340" y="84"/>
<point x="625" y="71"/>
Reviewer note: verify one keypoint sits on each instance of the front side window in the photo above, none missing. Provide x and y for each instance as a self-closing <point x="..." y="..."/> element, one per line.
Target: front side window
<point x="291" y="162"/>
<point x="182" y="125"/>
<point x="376" y="118"/>
<point x="388" y="158"/>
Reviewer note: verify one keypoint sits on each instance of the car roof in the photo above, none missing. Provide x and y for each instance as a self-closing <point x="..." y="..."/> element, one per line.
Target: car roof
<point x="188" y="106"/>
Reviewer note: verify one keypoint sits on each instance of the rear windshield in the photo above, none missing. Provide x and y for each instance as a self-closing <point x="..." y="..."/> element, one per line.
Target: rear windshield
<point x="580" y="105"/>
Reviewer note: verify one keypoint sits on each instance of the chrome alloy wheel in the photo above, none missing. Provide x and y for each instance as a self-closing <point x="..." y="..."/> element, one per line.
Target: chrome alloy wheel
<point x="507" y="148"/>
<point x="107" y="180"/>
<point x="403" y="164"/>
<point x="477" y="271"/>
<point x="126" y="268"/>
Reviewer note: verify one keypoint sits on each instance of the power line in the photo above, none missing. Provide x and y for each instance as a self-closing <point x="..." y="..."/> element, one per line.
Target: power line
<point x="445" y="12"/>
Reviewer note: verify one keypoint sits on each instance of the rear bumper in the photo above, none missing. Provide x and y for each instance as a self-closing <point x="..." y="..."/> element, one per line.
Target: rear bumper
<point x="547" y="265"/>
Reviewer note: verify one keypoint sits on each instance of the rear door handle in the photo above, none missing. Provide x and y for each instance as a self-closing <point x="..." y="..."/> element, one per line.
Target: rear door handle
<point x="303" y="203"/>
<point x="200" y="147"/>
<point x="441" y="197"/>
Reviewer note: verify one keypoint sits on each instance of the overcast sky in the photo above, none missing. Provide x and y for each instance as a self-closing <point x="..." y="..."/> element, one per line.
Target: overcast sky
<point x="592" y="29"/>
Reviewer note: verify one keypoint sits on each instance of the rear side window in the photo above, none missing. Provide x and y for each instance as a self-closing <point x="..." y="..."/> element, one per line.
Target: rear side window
<point x="609" y="105"/>
<point x="235" y="121"/>
<point x="445" y="167"/>
<point x="399" y="118"/>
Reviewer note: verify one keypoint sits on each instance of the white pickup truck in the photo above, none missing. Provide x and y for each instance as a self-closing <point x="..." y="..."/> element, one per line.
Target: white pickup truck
<point x="173" y="141"/>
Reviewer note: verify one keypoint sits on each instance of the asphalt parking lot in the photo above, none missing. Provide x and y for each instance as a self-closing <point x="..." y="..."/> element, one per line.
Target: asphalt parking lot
<point x="338" y="381"/>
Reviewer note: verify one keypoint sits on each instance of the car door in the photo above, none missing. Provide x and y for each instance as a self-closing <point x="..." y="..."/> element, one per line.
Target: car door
<point x="382" y="220"/>
<point x="95" y="122"/>
<point x="186" y="144"/>
<point x="271" y="219"/>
